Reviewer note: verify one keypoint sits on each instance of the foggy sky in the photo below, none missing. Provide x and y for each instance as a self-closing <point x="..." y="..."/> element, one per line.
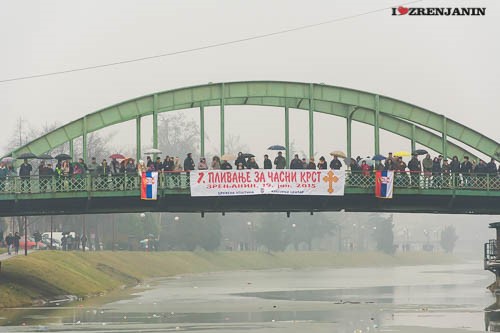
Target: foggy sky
<point x="446" y="64"/>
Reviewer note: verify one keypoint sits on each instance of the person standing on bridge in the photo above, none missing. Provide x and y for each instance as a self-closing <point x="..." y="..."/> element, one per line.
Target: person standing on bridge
<point x="203" y="164"/>
<point x="465" y="170"/>
<point x="24" y="173"/>
<point x="491" y="169"/>
<point x="189" y="163"/>
<point x="335" y="164"/>
<point x="93" y="167"/>
<point x="296" y="163"/>
<point x="252" y="164"/>
<point x="322" y="163"/>
<point x="427" y="165"/>
<point x="415" y="168"/>
<point x="280" y="161"/>
<point x="240" y="159"/>
<point x="455" y="170"/>
<point x="267" y="162"/>
<point x="215" y="165"/>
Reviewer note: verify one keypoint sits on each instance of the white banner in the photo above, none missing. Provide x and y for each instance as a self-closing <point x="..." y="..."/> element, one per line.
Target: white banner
<point x="206" y="183"/>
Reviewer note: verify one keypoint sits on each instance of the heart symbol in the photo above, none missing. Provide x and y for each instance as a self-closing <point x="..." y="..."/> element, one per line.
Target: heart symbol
<point x="403" y="10"/>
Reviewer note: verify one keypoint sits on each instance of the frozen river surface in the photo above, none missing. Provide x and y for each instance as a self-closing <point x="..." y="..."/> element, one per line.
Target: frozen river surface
<point x="445" y="298"/>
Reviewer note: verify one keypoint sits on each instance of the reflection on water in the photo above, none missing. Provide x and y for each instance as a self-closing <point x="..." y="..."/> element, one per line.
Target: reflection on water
<point x="291" y="301"/>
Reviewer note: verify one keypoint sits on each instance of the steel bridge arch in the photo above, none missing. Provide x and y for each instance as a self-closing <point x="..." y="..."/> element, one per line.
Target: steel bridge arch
<point x="404" y="119"/>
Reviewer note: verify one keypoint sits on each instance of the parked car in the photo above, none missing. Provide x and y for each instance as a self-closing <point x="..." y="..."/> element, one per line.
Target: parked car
<point x="32" y="244"/>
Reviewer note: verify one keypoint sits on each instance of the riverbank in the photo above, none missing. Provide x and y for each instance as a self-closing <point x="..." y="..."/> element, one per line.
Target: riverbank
<point x="46" y="274"/>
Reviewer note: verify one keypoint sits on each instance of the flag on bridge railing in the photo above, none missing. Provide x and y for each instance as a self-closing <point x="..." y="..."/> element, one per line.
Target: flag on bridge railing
<point x="149" y="185"/>
<point x="384" y="181"/>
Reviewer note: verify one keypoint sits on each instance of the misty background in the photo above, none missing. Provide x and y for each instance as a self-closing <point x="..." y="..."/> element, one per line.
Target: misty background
<point x="446" y="64"/>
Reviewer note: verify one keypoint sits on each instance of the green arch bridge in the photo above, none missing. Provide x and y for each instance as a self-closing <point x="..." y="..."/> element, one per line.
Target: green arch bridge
<point x="121" y="194"/>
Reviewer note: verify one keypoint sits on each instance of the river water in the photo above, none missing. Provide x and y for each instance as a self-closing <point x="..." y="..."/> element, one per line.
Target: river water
<point x="435" y="298"/>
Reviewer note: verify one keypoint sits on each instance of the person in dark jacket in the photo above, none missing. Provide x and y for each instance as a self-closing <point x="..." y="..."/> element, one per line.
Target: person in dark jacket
<point x="311" y="165"/>
<point x="296" y="163"/>
<point x="280" y="161"/>
<point x="335" y="164"/>
<point x="10" y="242"/>
<point x="267" y="162"/>
<point x="24" y="174"/>
<point x="322" y="163"/>
<point x="189" y="163"/>
<point x="465" y="170"/>
<point x="491" y="168"/>
<point x="225" y="165"/>
<point x="17" y="238"/>
<point x="455" y="170"/>
<point x="252" y="164"/>
<point x="436" y="172"/>
<point x="158" y="164"/>
<point x="415" y="168"/>
<point x="240" y="159"/>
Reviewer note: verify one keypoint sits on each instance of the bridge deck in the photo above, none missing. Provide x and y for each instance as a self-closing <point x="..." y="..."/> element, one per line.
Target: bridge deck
<point x="76" y="195"/>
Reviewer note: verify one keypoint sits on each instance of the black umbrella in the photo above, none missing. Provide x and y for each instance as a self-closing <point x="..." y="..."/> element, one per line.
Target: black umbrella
<point x="247" y="155"/>
<point x="379" y="157"/>
<point x="63" y="157"/>
<point x="45" y="157"/>
<point x="24" y="156"/>
<point x="276" y="147"/>
<point x="420" y="152"/>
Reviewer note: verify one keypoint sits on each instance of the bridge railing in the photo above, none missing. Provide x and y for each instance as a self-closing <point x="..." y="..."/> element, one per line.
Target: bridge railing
<point x="180" y="181"/>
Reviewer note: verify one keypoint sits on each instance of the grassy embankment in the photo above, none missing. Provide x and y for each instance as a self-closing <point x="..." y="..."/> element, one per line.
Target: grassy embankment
<point x="47" y="274"/>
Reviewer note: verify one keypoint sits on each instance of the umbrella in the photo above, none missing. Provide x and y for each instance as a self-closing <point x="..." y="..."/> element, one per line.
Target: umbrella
<point x="247" y="155"/>
<point x="402" y="154"/>
<point x="125" y="161"/>
<point x="368" y="161"/>
<point x="26" y="156"/>
<point x="8" y="159"/>
<point x="45" y="157"/>
<point x="348" y="160"/>
<point x="62" y="157"/>
<point x="420" y="152"/>
<point x="338" y="153"/>
<point x="276" y="147"/>
<point x="228" y="157"/>
<point x="379" y="158"/>
<point x="117" y="156"/>
<point x="152" y="151"/>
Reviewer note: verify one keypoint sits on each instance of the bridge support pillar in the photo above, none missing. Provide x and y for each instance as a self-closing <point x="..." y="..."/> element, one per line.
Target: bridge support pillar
<point x="202" y="131"/>
<point x="155" y="123"/>
<point x="287" y="134"/>
<point x="413" y="146"/>
<point x="311" y="120"/>
<point x="71" y="149"/>
<point x="222" y="144"/>
<point x="445" y="139"/>
<point x="84" y="140"/>
<point x="376" y="125"/>
<point x="138" y="139"/>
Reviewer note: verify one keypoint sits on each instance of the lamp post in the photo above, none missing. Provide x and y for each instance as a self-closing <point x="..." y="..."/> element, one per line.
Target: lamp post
<point x="250" y="235"/>
<point x="294" y="226"/>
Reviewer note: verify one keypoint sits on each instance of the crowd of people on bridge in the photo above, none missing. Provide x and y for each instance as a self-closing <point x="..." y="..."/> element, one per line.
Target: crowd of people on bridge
<point x="428" y="171"/>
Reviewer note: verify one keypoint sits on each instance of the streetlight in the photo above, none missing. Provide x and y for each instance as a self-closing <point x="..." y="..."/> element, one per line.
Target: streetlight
<point x="250" y="235"/>
<point x="294" y="236"/>
<point x="176" y="219"/>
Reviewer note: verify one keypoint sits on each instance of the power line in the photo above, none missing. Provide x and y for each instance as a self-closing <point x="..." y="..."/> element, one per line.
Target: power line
<point x="210" y="46"/>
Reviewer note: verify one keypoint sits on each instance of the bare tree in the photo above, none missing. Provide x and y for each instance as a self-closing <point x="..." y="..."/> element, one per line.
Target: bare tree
<point x="178" y="135"/>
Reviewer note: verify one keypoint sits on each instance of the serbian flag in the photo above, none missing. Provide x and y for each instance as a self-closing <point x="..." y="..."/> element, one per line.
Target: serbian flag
<point x="149" y="185"/>
<point x="384" y="181"/>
